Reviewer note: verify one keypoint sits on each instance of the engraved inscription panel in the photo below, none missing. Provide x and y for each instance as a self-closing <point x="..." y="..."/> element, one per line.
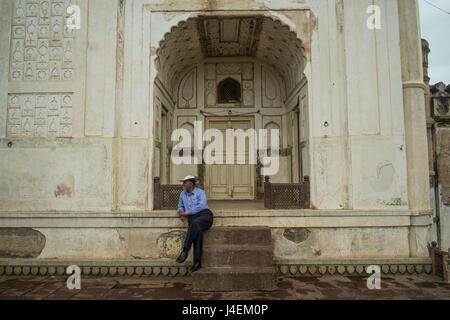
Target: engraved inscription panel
<point x="41" y="45"/>
<point x="40" y="115"/>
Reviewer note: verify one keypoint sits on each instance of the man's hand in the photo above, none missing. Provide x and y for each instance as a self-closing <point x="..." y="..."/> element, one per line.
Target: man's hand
<point x="182" y="215"/>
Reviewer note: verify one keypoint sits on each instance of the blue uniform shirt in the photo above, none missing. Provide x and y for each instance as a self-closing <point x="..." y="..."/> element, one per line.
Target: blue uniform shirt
<point x="192" y="202"/>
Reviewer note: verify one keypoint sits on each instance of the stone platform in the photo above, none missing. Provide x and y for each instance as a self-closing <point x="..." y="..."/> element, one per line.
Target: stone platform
<point x="305" y="242"/>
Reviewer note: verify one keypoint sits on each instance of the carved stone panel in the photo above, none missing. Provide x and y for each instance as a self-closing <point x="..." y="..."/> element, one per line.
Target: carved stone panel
<point x="272" y="123"/>
<point x="40" y="115"/>
<point x="271" y="97"/>
<point x="247" y="93"/>
<point x="187" y="95"/>
<point x="41" y="45"/>
<point x="210" y="85"/>
<point x="229" y="68"/>
<point x="440" y="100"/>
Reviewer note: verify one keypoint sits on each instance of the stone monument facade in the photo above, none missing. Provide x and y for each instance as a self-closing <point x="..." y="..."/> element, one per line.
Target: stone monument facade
<point x="86" y="116"/>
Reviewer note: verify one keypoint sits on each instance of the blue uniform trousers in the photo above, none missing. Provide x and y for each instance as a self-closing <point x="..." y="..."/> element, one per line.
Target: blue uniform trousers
<point x="197" y="223"/>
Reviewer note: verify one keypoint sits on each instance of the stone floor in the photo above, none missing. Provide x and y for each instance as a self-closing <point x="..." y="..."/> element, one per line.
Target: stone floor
<point x="423" y="287"/>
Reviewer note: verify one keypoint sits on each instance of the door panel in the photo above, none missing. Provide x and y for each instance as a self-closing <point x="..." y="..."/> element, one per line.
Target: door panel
<point x="217" y="175"/>
<point x="230" y="181"/>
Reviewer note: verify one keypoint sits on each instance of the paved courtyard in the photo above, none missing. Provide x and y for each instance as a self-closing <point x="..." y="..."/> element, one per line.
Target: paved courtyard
<point x="313" y="288"/>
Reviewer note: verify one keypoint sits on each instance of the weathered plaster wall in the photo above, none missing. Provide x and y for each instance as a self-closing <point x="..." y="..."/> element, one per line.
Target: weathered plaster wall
<point x="356" y="132"/>
<point x="311" y="235"/>
<point x="316" y="243"/>
<point x="46" y="175"/>
<point x="57" y="106"/>
<point x="375" y="114"/>
<point x="160" y="243"/>
<point x="79" y="113"/>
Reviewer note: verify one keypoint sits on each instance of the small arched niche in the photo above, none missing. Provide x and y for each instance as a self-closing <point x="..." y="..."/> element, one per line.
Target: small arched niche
<point x="229" y="91"/>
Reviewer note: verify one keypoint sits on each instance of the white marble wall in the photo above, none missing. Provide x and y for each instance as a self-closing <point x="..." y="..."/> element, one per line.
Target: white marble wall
<point x="47" y="163"/>
<point x="355" y="137"/>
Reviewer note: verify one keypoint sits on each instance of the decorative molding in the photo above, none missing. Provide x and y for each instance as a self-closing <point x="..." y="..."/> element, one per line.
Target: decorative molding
<point x="242" y="72"/>
<point x="280" y="218"/>
<point x="281" y="49"/>
<point x="273" y="122"/>
<point x="210" y="85"/>
<point x="292" y="270"/>
<point x="96" y="270"/>
<point x="414" y="85"/>
<point x="258" y="36"/>
<point x="164" y="92"/>
<point x="183" y="119"/>
<point x="147" y="268"/>
<point x="229" y="36"/>
<point x="229" y="68"/>
<point x="248" y="91"/>
<point x="271" y="93"/>
<point x="179" y="50"/>
<point x="296" y="91"/>
<point x="187" y="95"/>
<point x="247" y="71"/>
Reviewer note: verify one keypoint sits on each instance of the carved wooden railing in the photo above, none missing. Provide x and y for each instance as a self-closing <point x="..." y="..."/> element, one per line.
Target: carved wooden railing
<point x="439" y="259"/>
<point x="286" y="195"/>
<point x="165" y="196"/>
<point x="276" y="195"/>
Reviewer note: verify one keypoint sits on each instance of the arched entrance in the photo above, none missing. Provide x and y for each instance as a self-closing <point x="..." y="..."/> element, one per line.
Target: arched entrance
<point x="232" y="72"/>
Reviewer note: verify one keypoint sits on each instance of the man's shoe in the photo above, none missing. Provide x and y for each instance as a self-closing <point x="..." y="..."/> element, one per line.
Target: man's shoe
<point x="197" y="265"/>
<point x="183" y="255"/>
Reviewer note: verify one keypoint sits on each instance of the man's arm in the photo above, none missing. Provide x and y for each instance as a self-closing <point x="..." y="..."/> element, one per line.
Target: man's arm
<point x="180" y="204"/>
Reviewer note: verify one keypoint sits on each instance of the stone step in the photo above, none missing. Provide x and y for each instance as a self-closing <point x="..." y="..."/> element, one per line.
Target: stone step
<point x="234" y="279"/>
<point x="237" y="255"/>
<point x="238" y="235"/>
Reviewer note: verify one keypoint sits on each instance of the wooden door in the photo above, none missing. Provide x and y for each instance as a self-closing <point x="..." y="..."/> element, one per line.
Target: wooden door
<point x="230" y="181"/>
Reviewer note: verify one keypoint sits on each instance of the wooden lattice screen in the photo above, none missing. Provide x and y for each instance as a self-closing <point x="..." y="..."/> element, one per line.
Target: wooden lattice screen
<point x="276" y="195"/>
<point x="286" y="195"/>
<point x="166" y="196"/>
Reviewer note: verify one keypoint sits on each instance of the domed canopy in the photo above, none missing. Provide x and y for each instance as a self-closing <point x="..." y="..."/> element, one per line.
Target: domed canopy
<point x="203" y="37"/>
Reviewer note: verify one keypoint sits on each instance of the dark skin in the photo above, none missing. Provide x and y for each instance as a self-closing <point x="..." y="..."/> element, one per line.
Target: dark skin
<point x="188" y="186"/>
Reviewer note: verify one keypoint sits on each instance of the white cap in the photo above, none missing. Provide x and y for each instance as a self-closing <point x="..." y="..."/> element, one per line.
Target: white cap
<point x="189" y="178"/>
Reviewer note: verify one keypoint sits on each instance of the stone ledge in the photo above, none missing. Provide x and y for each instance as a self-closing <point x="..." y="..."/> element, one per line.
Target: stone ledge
<point x="219" y="213"/>
<point x="169" y="219"/>
<point x="145" y="268"/>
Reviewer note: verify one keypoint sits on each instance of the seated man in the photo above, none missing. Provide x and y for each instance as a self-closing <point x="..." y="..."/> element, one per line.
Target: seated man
<point x="193" y="204"/>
